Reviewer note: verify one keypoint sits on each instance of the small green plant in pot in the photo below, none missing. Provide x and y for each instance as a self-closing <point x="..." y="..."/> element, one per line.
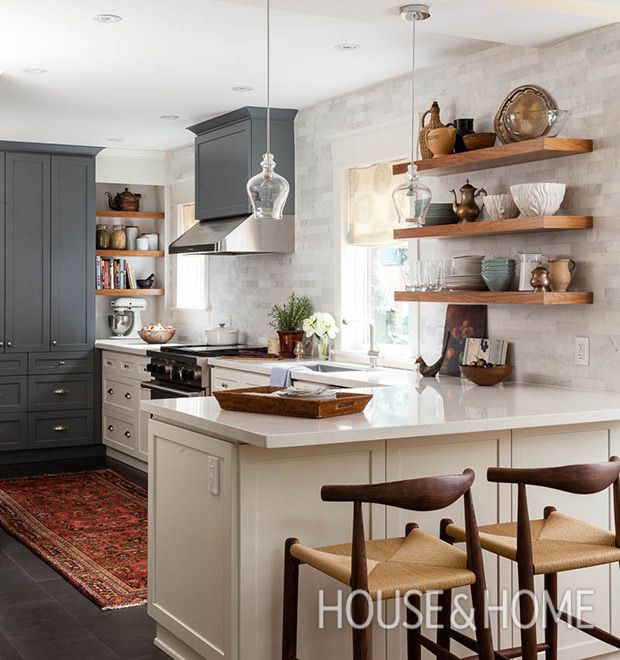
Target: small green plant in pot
<point x="288" y="319"/>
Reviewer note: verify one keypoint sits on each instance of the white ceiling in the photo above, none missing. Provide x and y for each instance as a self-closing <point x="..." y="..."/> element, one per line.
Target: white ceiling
<point x="114" y="81"/>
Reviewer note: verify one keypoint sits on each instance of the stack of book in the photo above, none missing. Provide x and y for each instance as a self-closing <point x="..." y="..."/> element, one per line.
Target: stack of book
<point x="115" y="274"/>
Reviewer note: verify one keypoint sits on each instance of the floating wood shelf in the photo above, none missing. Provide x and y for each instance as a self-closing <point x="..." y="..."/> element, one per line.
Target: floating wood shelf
<point x="497" y="297"/>
<point x="521" y="225"/>
<point x="138" y="293"/>
<point x="130" y="253"/>
<point x="505" y="154"/>
<point x="131" y="214"/>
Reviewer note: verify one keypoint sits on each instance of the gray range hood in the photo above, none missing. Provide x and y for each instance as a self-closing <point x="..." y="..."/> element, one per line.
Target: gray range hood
<point x="228" y="150"/>
<point x="236" y="236"/>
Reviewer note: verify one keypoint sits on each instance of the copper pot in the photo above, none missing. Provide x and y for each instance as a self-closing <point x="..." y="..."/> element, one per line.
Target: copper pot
<point x="124" y="201"/>
<point x="287" y="342"/>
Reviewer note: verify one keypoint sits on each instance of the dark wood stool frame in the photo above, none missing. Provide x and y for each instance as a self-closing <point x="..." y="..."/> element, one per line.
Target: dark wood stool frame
<point x="426" y="494"/>
<point x="577" y="479"/>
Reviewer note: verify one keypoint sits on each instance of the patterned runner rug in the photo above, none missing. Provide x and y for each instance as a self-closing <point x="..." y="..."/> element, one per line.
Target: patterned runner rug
<point x="89" y="526"/>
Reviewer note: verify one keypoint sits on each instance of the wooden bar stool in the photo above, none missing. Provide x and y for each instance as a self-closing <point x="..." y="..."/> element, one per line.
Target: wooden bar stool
<point x="419" y="562"/>
<point x="551" y="545"/>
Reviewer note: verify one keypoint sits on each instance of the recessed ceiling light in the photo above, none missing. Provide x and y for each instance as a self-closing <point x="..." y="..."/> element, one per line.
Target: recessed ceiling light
<point x="169" y="117"/>
<point x="243" y="89"/>
<point x="35" y="70"/>
<point x="115" y="139"/>
<point x="348" y="47"/>
<point x="107" y="18"/>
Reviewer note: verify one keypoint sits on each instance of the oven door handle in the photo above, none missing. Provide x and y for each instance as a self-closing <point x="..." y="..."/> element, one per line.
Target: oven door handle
<point x="169" y="390"/>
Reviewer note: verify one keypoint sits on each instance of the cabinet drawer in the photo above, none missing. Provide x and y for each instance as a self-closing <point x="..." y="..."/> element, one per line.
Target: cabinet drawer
<point x="123" y="395"/>
<point x="225" y="379"/>
<point x="133" y="367"/>
<point x="13" y="364"/>
<point x="13" y="394"/>
<point x="109" y="363"/>
<point x="119" y="433"/>
<point x="255" y="380"/>
<point x="13" y="432"/>
<point x="51" y="393"/>
<point x="61" y="430"/>
<point x="60" y="363"/>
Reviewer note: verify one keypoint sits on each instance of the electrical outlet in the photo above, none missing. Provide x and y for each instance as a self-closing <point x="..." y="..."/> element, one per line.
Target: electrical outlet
<point x="582" y="351"/>
<point x="214" y="475"/>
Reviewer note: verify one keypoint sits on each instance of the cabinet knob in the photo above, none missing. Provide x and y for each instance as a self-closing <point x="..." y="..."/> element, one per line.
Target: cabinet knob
<point x="110" y="428"/>
<point x="9" y="344"/>
<point x="61" y="363"/>
<point x="127" y="434"/>
<point x="224" y="386"/>
<point x="127" y="395"/>
<point x="54" y="342"/>
<point x="61" y="391"/>
<point x="110" y="391"/>
<point x="1" y="344"/>
<point x="61" y="428"/>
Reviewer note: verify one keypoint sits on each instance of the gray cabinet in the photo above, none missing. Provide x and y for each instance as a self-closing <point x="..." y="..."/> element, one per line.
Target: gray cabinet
<point x="2" y="239"/>
<point x="13" y="432"/>
<point x="60" y="429"/>
<point x="72" y="255"/>
<point x="27" y="250"/>
<point x="61" y="363"/>
<point x="51" y="393"/>
<point x="229" y="150"/>
<point x="13" y="394"/>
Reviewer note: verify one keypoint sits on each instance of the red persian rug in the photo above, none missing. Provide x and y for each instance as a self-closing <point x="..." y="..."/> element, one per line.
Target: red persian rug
<point x="90" y="526"/>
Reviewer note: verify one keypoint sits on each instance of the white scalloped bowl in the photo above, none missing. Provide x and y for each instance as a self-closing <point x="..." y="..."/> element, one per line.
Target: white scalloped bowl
<point x="500" y="207"/>
<point x="538" y="198"/>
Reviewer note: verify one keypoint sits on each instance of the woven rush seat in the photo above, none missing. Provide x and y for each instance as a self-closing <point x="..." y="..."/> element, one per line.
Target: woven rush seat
<point x="559" y="543"/>
<point x="418" y="562"/>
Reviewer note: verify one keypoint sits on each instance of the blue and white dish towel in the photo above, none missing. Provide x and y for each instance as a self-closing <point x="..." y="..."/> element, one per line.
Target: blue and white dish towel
<point x="281" y="376"/>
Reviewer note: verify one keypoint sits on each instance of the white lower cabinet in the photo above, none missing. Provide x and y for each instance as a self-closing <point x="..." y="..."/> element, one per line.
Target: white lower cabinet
<point x="219" y="514"/>
<point x="230" y="379"/>
<point x="125" y="427"/>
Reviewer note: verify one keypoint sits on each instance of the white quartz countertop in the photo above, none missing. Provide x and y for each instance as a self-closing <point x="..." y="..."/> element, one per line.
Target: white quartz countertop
<point x="131" y="346"/>
<point x="404" y="405"/>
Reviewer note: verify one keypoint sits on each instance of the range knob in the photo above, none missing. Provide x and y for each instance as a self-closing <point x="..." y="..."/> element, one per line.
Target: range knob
<point x="188" y="374"/>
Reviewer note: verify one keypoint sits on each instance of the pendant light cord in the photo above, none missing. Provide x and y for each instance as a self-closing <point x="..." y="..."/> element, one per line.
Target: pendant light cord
<point x="268" y="76"/>
<point x="413" y="121"/>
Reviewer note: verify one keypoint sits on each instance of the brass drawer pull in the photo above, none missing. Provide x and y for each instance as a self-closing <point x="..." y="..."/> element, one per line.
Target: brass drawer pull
<point x="127" y="395"/>
<point x="61" y="428"/>
<point x="110" y="391"/>
<point x="127" y="434"/>
<point x="61" y="391"/>
<point x="110" y="428"/>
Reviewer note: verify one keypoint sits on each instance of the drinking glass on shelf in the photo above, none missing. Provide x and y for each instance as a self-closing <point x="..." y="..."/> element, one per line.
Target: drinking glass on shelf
<point x="413" y="275"/>
<point x="434" y="274"/>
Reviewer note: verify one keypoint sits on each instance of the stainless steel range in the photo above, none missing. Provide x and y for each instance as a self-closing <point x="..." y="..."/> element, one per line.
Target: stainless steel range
<point x="183" y="371"/>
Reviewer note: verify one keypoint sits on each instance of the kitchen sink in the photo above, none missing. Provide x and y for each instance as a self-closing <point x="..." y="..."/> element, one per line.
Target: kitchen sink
<point x="331" y="368"/>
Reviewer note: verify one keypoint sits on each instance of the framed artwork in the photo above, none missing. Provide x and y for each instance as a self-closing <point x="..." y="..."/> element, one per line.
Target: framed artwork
<point x="463" y="322"/>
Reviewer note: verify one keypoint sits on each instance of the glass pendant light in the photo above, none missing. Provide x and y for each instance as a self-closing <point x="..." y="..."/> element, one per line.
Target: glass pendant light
<point x="413" y="198"/>
<point x="268" y="191"/>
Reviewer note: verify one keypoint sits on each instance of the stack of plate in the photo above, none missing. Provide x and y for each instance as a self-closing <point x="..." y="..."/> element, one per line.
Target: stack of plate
<point x="440" y="214"/>
<point x="498" y="273"/>
<point x="465" y="275"/>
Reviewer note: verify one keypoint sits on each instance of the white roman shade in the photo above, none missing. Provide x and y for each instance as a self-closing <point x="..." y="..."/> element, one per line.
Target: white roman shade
<point x="372" y="216"/>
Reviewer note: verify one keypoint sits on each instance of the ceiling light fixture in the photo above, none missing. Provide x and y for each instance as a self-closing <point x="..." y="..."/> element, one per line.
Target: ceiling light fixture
<point x="35" y="70"/>
<point x="169" y="117"/>
<point x="347" y="47"/>
<point x="242" y="89"/>
<point x="413" y="198"/>
<point x="107" y="18"/>
<point x="268" y="191"/>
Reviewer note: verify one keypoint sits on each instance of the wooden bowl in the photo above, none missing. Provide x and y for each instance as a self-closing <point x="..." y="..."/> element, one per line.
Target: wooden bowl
<point x="479" y="141"/>
<point x="157" y="336"/>
<point x="486" y="375"/>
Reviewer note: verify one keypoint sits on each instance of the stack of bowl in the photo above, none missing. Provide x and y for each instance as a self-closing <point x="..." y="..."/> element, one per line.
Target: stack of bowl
<point x="464" y="274"/>
<point x="440" y="214"/>
<point x="498" y="273"/>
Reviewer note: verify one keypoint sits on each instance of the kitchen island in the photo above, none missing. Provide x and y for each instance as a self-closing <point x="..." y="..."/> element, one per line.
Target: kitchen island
<point x="226" y="489"/>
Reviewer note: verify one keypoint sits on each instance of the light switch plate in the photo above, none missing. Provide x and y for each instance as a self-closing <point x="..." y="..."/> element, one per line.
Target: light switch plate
<point x="582" y="351"/>
<point x="214" y="475"/>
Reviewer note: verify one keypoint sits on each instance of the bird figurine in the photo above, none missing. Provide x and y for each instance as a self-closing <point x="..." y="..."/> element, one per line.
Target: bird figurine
<point x="430" y="371"/>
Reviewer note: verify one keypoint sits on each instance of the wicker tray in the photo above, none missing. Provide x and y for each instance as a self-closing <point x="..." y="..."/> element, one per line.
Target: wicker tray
<point x="250" y="400"/>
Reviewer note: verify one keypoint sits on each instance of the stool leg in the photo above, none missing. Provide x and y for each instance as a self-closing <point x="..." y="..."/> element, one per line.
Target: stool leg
<point x="445" y="597"/>
<point x="414" y="647"/>
<point x="290" y="602"/>
<point x="361" y="636"/>
<point x="551" y="625"/>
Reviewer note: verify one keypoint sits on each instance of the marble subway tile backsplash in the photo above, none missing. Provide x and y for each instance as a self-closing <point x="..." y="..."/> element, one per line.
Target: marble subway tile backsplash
<point x="583" y="76"/>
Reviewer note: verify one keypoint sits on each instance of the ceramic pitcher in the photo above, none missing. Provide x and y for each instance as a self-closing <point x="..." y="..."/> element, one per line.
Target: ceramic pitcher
<point x="560" y="273"/>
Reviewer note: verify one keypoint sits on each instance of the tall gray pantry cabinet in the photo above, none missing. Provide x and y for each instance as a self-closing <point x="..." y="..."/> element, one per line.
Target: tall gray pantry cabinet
<point x="47" y="298"/>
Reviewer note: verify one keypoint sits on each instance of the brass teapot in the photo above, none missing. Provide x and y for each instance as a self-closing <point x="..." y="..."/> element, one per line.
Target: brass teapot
<point x="124" y="201"/>
<point x="467" y="210"/>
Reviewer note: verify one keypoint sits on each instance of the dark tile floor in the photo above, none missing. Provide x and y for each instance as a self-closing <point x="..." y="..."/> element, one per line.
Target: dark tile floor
<point x="42" y="617"/>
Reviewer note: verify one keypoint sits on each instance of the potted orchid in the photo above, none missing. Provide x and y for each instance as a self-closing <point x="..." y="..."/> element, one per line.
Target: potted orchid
<point x="322" y="326"/>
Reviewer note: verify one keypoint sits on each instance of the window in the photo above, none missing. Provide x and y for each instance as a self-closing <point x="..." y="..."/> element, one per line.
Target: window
<point x="190" y="268"/>
<point x="374" y="266"/>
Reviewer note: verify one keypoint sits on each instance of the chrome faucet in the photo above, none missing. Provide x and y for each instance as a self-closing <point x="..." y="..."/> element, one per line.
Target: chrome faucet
<point x="373" y="351"/>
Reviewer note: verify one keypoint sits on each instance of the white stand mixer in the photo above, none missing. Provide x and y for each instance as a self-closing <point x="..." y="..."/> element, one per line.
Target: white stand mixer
<point x="126" y="319"/>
